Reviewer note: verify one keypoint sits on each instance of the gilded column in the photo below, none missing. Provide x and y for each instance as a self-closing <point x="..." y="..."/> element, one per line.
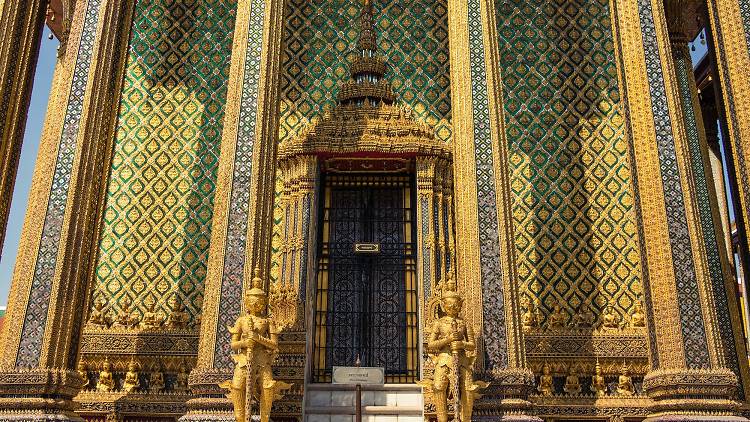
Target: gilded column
<point x="730" y="29"/>
<point x="721" y="298"/>
<point x="711" y="128"/>
<point x="243" y="208"/>
<point x="484" y="235"/>
<point x="688" y="378"/>
<point x="20" y="34"/>
<point x="55" y="261"/>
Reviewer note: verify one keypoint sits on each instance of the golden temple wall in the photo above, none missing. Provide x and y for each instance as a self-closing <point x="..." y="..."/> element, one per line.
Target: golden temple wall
<point x="623" y="222"/>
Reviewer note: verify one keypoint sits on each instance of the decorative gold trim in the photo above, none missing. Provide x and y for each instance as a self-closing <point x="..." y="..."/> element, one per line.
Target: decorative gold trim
<point x="658" y="259"/>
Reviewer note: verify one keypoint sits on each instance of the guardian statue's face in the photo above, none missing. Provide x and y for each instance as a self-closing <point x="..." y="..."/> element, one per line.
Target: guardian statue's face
<point x="452" y="306"/>
<point x="255" y="305"/>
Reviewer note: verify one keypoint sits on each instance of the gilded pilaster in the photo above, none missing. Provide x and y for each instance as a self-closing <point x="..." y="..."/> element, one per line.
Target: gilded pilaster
<point x="243" y="209"/>
<point x="20" y="35"/>
<point x="299" y="230"/>
<point x="730" y="29"/>
<point x="484" y="245"/>
<point x="434" y="230"/>
<point x="721" y="292"/>
<point x="426" y="267"/>
<point x="56" y="255"/>
<point x="687" y="375"/>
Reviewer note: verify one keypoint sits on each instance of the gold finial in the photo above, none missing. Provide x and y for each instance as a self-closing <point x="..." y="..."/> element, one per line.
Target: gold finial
<point x="367" y="30"/>
<point x="450" y="288"/>
<point x="256" y="284"/>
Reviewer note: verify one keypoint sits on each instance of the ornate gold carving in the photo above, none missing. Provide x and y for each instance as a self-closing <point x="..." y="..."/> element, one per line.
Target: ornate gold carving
<point x="99" y="317"/>
<point x="584" y="318"/>
<point x="610" y="320"/>
<point x="151" y="320"/>
<point x="131" y="382"/>
<point x="178" y="318"/>
<point x="572" y="383"/>
<point x="546" y="387"/>
<point x="625" y="382"/>
<point x="106" y="381"/>
<point x="156" y="380"/>
<point x="637" y="317"/>
<point x="598" y="384"/>
<point x="369" y="128"/>
<point x="125" y="341"/>
<point x="585" y="345"/>
<point x="531" y="317"/>
<point x="126" y="318"/>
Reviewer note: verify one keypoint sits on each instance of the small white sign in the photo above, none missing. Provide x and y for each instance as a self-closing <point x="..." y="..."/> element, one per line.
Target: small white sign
<point x="364" y="375"/>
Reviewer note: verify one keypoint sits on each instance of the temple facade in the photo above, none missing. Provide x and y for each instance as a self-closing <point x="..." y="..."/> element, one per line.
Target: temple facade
<point x="551" y="166"/>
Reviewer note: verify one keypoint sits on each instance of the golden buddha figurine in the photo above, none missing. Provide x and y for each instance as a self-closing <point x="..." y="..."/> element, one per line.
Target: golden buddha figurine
<point x="598" y="384"/>
<point x="572" y="383"/>
<point x="546" y="382"/>
<point x="106" y="381"/>
<point x="126" y="318"/>
<point x="99" y="317"/>
<point x="83" y="372"/>
<point x="255" y="341"/>
<point x="451" y="347"/>
<point x="558" y="319"/>
<point x="150" y="319"/>
<point x="584" y="318"/>
<point x="178" y="318"/>
<point x="625" y="382"/>
<point x="181" y="382"/>
<point x="531" y="317"/>
<point x="637" y="318"/>
<point x="156" y="381"/>
<point x="610" y="320"/>
<point x="131" y="382"/>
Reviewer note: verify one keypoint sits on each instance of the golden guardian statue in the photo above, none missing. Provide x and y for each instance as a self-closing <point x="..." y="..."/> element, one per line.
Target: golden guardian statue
<point x="452" y="348"/>
<point x="255" y="342"/>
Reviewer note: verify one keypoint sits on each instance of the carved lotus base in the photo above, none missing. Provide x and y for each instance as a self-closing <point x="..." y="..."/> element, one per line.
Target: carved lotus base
<point x="39" y="417"/>
<point x="692" y="395"/>
<point x="695" y="418"/>
<point x="38" y="394"/>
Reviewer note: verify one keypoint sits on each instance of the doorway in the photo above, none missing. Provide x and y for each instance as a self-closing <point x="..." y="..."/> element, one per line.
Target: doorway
<point x="366" y="301"/>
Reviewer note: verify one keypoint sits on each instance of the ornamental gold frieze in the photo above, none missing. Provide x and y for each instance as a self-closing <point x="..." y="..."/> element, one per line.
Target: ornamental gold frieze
<point x="367" y="64"/>
<point x="379" y="129"/>
<point x="352" y="90"/>
<point x="666" y="385"/>
<point x="92" y="403"/>
<point x="585" y="346"/>
<point x="139" y="342"/>
<point x="608" y="407"/>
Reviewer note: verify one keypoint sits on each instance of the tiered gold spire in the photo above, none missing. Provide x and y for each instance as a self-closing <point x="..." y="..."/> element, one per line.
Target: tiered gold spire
<point x="367" y="118"/>
<point x="367" y="85"/>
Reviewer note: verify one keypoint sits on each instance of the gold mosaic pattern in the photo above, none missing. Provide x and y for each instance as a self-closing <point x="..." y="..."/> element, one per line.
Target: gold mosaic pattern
<point x="157" y="220"/>
<point x="570" y="178"/>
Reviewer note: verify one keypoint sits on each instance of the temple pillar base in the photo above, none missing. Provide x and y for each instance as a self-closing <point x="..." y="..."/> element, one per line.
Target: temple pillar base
<point x="39" y="394"/>
<point x="40" y="417"/>
<point x="692" y="395"/>
<point x="210" y="403"/>
<point x="694" y="418"/>
<point x="510" y="388"/>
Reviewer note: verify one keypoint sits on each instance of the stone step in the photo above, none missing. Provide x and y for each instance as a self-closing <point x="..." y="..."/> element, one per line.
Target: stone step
<point x="387" y="403"/>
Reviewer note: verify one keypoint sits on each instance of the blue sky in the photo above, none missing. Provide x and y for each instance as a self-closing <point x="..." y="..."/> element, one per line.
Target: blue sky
<point x="37" y="110"/>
